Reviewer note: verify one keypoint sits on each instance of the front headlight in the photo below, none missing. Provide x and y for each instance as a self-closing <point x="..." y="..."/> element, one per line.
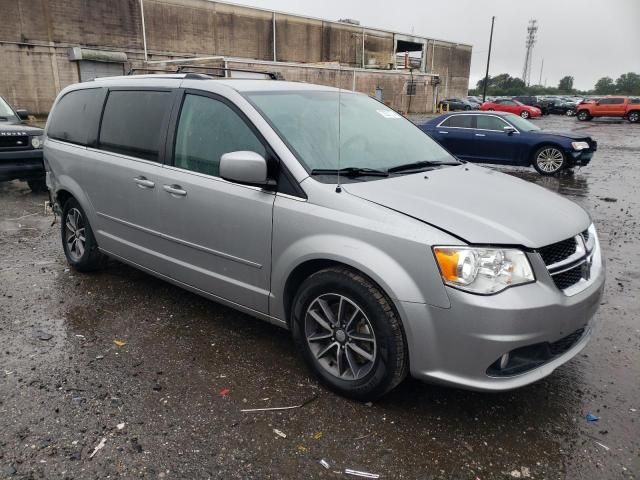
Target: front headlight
<point x="579" y="145"/>
<point x="37" y="141"/>
<point x="483" y="270"/>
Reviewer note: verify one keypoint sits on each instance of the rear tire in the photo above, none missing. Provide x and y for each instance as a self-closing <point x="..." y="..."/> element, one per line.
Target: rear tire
<point x="549" y="160"/>
<point x="79" y="244"/>
<point x="349" y="334"/>
<point x="634" y="117"/>
<point x="524" y="114"/>
<point x="37" y="185"/>
<point x="583" y="116"/>
<point x="570" y="112"/>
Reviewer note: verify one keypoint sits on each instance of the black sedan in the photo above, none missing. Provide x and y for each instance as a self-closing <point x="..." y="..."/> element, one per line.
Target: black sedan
<point x="20" y="149"/>
<point x="451" y="104"/>
<point x="562" y="107"/>
<point x="505" y="138"/>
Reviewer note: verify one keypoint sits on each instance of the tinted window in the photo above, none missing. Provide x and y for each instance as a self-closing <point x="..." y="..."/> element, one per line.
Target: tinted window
<point x="207" y="130"/>
<point x="458" y="121"/>
<point x="634" y="100"/>
<point x="75" y="116"/>
<point x="132" y="122"/>
<point x="486" y="122"/>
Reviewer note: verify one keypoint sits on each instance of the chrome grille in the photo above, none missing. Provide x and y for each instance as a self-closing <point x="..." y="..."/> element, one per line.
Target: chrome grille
<point x="569" y="261"/>
<point x="568" y="278"/>
<point x="557" y="252"/>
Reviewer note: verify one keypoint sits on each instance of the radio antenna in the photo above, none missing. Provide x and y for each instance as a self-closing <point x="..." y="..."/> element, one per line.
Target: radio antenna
<point x="339" y="186"/>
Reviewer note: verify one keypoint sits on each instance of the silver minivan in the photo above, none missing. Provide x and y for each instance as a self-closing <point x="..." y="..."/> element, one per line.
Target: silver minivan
<point x="325" y="212"/>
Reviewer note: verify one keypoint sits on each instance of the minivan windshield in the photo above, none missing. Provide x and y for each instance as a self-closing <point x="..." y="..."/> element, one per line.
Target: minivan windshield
<point x="372" y="136"/>
<point x="5" y="111"/>
<point x="521" y="124"/>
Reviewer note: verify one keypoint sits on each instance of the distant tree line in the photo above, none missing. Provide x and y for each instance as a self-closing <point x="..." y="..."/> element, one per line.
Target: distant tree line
<point x="506" y="85"/>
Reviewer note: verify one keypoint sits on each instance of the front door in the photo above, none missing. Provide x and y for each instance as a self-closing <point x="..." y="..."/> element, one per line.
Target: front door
<point x="216" y="233"/>
<point x="491" y="142"/>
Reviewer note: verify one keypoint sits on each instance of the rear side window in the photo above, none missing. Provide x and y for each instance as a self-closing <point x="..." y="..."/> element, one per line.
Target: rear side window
<point x="208" y="129"/>
<point x="611" y="101"/>
<point x="458" y="121"/>
<point x="132" y="122"/>
<point x="75" y="116"/>
<point x="487" y="122"/>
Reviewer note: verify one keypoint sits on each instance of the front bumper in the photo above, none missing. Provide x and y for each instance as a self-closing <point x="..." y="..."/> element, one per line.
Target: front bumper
<point x="580" y="158"/>
<point x="21" y="164"/>
<point x="461" y="345"/>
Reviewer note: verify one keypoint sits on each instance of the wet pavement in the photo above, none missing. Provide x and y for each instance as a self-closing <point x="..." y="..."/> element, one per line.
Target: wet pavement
<point x="162" y="375"/>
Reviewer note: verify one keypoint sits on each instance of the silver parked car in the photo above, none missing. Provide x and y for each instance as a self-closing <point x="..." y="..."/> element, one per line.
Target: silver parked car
<point x="327" y="213"/>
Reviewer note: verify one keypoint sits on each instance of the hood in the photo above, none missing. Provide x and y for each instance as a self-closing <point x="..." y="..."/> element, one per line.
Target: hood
<point x="571" y="135"/>
<point x="479" y="205"/>
<point x="19" y="128"/>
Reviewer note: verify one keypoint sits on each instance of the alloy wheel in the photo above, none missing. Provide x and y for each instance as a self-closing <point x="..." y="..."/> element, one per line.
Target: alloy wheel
<point x="75" y="234"/>
<point x="550" y="160"/>
<point x="340" y="336"/>
<point x="634" y="117"/>
<point x="524" y="114"/>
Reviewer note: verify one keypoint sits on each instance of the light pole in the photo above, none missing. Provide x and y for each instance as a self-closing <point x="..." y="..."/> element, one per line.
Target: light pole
<point x="486" y="75"/>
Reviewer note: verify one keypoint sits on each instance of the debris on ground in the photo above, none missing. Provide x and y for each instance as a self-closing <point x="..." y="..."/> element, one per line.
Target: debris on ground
<point x="119" y="343"/>
<point x="225" y="392"/>
<point x="98" y="447"/>
<point x="324" y="463"/>
<point x="44" y="336"/>
<point x="279" y="433"/>
<point x="306" y="402"/>
<point x="317" y="435"/>
<point x="603" y="446"/>
<point x="120" y="426"/>
<point x="357" y="473"/>
<point x="591" y="417"/>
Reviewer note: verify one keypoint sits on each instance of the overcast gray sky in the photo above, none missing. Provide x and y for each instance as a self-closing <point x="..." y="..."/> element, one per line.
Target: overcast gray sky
<point x="588" y="39"/>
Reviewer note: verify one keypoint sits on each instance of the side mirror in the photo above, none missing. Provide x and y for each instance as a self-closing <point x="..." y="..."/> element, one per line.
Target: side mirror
<point x="597" y="103"/>
<point x="509" y="130"/>
<point x="23" y="114"/>
<point x="244" y="167"/>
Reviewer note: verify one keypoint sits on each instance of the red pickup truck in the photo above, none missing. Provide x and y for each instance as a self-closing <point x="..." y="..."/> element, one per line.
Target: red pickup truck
<point x="625" y="107"/>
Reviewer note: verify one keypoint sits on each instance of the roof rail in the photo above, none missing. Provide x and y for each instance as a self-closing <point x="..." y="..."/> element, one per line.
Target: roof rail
<point x="219" y="72"/>
<point x="223" y="70"/>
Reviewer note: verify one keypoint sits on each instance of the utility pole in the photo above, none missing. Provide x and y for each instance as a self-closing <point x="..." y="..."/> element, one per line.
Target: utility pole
<point x="486" y="75"/>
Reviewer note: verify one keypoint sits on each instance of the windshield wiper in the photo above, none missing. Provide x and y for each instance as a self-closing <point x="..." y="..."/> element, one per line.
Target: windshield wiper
<point x="350" y="172"/>
<point x="416" y="166"/>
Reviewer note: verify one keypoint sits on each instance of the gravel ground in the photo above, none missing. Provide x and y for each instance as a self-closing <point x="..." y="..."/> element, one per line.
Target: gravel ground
<point x="158" y="375"/>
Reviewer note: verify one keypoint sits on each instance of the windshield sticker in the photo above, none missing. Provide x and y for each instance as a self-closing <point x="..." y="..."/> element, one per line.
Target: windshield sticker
<point x="388" y="113"/>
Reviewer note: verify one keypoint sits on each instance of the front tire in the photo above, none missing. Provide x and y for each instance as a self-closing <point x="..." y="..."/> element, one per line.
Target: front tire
<point x="634" y="117"/>
<point x="583" y="116"/>
<point x="570" y="112"/>
<point x="549" y="160"/>
<point x="349" y="334"/>
<point x="79" y="244"/>
<point x="524" y="114"/>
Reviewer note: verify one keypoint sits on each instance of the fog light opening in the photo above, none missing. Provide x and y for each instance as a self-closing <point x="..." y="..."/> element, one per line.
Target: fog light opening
<point x="504" y="361"/>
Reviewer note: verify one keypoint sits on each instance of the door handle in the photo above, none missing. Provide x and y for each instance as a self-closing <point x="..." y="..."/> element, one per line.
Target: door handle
<point x="480" y="135"/>
<point x="442" y="132"/>
<point x="143" y="182"/>
<point x="175" y="190"/>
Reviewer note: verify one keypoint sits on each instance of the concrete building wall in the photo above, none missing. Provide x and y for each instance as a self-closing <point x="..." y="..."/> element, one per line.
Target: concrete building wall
<point x="34" y="62"/>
